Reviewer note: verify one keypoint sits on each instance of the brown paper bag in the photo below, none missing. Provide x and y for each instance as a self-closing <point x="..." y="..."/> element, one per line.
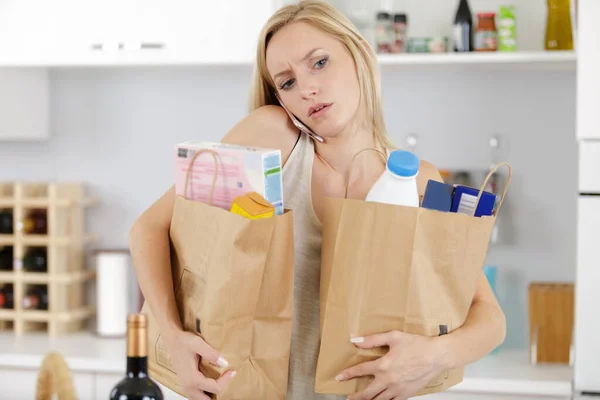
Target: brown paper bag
<point x="233" y="283"/>
<point x="387" y="267"/>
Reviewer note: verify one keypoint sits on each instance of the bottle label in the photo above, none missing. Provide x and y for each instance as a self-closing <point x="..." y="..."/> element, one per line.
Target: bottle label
<point x="462" y="37"/>
<point x="486" y="40"/>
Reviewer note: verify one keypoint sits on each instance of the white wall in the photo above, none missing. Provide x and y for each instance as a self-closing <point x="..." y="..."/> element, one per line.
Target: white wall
<point x="115" y="129"/>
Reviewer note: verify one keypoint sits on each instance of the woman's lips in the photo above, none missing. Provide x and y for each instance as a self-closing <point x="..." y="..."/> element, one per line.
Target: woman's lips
<point x="319" y="110"/>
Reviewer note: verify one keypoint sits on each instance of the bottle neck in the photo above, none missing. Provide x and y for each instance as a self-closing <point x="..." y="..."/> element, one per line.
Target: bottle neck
<point x="137" y="367"/>
<point x="137" y="350"/>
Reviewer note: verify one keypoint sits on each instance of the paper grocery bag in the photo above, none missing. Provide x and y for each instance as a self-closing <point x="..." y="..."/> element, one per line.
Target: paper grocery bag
<point x="387" y="267"/>
<point x="233" y="284"/>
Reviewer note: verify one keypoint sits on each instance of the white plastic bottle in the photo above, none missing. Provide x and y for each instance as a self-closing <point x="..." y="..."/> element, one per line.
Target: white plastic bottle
<point x="398" y="184"/>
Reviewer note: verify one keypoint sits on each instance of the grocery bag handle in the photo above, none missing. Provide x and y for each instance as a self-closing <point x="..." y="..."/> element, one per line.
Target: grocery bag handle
<point x="187" y="175"/>
<point x="485" y="182"/>
<point x="383" y="156"/>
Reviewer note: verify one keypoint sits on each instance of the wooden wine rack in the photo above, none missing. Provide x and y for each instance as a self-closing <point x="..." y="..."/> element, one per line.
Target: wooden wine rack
<point x="66" y="277"/>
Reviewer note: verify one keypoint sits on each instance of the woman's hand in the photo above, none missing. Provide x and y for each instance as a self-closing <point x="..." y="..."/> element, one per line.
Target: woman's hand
<point x="186" y="349"/>
<point x="411" y="363"/>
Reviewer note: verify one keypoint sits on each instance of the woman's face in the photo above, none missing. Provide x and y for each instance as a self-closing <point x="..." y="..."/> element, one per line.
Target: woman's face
<point x="315" y="77"/>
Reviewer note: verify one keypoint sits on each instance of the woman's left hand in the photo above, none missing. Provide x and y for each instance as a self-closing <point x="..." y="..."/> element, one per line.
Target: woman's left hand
<point x="411" y="363"/>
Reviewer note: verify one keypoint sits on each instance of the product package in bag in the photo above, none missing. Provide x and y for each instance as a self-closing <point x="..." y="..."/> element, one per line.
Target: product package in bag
<point x="233" y="284"/>
<point x="387" y="267"/>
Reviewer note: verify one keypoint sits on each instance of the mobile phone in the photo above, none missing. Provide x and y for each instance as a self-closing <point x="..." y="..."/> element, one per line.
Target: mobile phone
<point x="298" y="124"/>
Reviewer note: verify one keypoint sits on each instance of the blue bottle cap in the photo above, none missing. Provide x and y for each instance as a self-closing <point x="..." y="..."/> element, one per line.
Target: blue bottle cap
<point x="403" y="163"/>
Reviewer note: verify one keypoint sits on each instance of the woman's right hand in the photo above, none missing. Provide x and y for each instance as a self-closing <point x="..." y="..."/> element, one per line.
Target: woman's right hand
<point x="186" y="349"/>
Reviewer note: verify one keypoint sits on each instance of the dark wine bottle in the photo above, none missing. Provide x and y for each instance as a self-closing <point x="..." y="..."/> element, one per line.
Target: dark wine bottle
<point x="462" y="32"/>
<point x="7" y="297"/>
<point x="6" y="222"/>
<point x="6" y="258"/>
<point x="36" y="260"/>
<point x="36" y="298"/>
<point x="137" y="385"/>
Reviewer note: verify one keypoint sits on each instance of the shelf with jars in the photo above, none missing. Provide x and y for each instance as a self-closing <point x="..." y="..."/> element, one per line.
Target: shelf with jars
<point x="43" y="277"/>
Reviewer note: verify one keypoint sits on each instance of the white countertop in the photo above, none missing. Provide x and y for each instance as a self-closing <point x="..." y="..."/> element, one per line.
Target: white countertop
<point x="507" y="372"/>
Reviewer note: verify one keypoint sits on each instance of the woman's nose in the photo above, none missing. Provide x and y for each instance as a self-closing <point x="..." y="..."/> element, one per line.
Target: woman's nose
<point x="308" y="88"/>
<point x="308" y="92"/>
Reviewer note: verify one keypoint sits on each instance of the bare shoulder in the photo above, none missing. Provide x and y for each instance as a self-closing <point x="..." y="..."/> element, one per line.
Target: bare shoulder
<point x="268" y="127"/>
<point x="427" y="172"/>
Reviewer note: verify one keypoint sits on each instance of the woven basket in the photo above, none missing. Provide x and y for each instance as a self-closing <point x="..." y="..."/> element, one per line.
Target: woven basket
<point x="54" y="378"/>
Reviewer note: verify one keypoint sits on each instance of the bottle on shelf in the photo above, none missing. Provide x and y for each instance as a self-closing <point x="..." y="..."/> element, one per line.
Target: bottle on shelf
<point x="36" y="222"/>
<point x="136" y="385"/>
<point x="559" y="26"/>
<point x="7" y="297"/>
<point x="6" y="222"/>
<point x="6" y="258"/>
<point x="398" y="184"/>
<point x="383" y="32"/>
<point x="36" y="260"/>
<point x="36" y="298"/>
<point x="462" y="32"/>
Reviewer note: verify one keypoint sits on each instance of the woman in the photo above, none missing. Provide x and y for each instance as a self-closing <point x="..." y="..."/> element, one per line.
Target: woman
<point x="315" y="61"/>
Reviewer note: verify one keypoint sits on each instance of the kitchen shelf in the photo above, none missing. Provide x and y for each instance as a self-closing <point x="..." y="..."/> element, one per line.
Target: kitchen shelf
<point x="565" y="60"/>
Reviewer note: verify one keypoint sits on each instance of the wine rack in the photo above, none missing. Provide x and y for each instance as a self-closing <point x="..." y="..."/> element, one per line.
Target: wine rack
<point x="64" y="275"/>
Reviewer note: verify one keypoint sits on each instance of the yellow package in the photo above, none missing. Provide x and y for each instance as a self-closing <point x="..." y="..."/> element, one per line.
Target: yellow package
<point x="253" y="206"/>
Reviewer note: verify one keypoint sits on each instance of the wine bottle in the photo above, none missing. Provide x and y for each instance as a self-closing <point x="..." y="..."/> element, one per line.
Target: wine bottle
<point x="6" y="222"/>
<point x="36" y="299"/>
<point x="36" y="260"/>
<point x="36" y="222"/>
<point x="463" y="28"/>
<point x="137" y="385"/>
<point x="6" y="258"/>
<point x="7" y="297"/>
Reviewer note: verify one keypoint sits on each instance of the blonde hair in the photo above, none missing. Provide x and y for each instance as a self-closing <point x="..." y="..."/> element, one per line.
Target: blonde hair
<point x="331" y="21"/>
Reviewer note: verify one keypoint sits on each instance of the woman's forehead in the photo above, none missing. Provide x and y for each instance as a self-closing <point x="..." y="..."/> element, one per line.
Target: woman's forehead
<point x="292" y="42"/>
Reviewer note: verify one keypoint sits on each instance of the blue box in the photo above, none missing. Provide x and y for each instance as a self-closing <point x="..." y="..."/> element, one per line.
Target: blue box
<point x="438" y="196"/>
<point x="465" y="198"/>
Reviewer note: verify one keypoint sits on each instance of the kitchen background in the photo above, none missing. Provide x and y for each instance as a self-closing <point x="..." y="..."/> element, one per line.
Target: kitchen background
<point x="114" y="128"/>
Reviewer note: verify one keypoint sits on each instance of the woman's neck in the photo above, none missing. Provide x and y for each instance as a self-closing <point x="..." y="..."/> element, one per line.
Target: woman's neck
<point x="339" y="151"/>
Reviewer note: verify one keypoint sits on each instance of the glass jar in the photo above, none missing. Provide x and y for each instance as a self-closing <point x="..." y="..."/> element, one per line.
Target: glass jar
<point x="383" y="32"/>
<point x="486" y="34"/>
<point x="400" y="24"/>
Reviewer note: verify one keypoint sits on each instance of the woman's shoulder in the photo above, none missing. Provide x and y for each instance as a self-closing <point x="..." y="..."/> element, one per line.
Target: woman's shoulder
<point x="267" y="127"/>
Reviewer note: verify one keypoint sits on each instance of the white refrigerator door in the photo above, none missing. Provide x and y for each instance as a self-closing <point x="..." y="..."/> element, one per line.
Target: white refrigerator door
<point x="587" y="295"/>
<point x="588" y="65"/>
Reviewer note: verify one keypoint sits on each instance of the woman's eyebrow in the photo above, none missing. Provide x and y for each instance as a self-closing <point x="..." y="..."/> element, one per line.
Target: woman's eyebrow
<point x="306" y="57"/>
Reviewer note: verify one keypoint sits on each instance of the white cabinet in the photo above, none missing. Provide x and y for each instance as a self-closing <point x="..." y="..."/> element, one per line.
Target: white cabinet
<point x="24" y="104"/>
<point x="588" y="79"/>
<point x="74" y="33"/>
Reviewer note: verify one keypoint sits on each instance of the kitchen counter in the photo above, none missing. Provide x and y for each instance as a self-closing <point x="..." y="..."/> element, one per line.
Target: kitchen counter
<point x="507" y="372"/>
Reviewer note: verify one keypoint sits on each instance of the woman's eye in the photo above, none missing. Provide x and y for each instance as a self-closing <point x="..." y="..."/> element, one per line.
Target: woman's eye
<point x="286" y="85"/>
<point x="322" y="62"/>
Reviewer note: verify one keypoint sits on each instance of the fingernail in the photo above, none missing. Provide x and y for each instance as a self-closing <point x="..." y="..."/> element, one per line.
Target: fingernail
<point x="222" y="362"/>
<point x="357" y="339"/>
<point x="340" y="377"/>
<point x="234" y="373"/>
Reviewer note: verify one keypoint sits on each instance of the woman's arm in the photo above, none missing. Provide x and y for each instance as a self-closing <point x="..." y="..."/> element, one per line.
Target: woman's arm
<point x="483" y="330"/>
<point x="150" y="252"/>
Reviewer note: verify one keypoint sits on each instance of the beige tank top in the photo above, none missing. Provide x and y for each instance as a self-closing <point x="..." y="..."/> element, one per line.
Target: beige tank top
<point x="297" y="178"/>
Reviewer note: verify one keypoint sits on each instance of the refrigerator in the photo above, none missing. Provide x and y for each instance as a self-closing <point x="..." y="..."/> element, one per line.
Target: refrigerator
<point x="586" y="364"/>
